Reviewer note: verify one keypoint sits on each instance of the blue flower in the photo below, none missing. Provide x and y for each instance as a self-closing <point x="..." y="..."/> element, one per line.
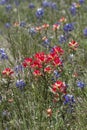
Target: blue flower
<point x="62" y="39"/>
<point x="22" y="23"/>
<point x="2" y="50"/>
<point x="7" y="25"/>
<point x="32" y="31"/>
<point x="39" y="12"/>
<point x="53" y="5"/>
<point x="56" y="74"/>
<point x="80" y="84"/>
<point x="73" y="10"/>
<point x="31" y="6"/>
<point x="81" y="1"/>
<point x="45" y="3"/>
<point x="85" y="32"/>
<point x="8" y="7"/>
<point x="46" y="43"/>
<point x="2" y="2"/>
<point x="17" y="2"/>
<point x="68" y="27"/>
<point x="3" y="55"/>
<point x="69" y="99"/>
<point x="18" y="68"/>
<point x="20" y="84"/>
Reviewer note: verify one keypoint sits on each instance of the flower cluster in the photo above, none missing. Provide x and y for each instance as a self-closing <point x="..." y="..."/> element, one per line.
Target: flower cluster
<point x="42" y="63"/>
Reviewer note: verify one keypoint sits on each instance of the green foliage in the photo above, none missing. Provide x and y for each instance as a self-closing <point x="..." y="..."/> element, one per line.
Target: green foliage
<point x="27" y="108"/>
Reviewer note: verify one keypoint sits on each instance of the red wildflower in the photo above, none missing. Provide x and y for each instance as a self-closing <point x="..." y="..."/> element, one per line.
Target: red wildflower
<point x="7" y="72"/>
<point x="45" y="26"/>
<point x="36" y="64"/>
<point x="58" y="50"/>
<point x="73" y="44"/>
<point x="51" y="56"/>
<point x="38" y="28"/>
<point x="16" y="24"/>
<point x="41" y="57"/>
<point x="49" y="112"/>
<point x="37" y="73"/>
<point x="48" y="69"/>
<point x="63" y="19"/>
<point x="59" y="86"/>
<point x="56" y="26"/>
<point x="27" y="62"/>
<point x="57" y="61"/>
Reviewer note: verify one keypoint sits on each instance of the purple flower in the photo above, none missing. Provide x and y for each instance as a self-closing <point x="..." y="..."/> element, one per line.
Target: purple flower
<point x="8" y="7"/>
<point x="32" y="31"/>
<point x="2" y="2"/>
<point x="7" y="25"/>
<point x="39" y="12"/>
<point x="69" y="99"/>
<point x="80" y="84"/>
<point x="68" y="27"/>
<point x="62" y="39"/>
<point x="22" y="23"/>
<point x="46" y="43"/>
<point x="18" y="68"/>
<point x="85" y="32"/>
<point x="2" y="50"/>
<point x="3" y="55"/>
<point x="17" y="2"/>
<point x="53" y="5"/>
<point x="20" y="84"/>
<point x="73" y="10"/>
<point x="81" y="1"/>
<point x="56" y="74"/>
<point x="45" y="3"/>
<point x="31" y="6"/>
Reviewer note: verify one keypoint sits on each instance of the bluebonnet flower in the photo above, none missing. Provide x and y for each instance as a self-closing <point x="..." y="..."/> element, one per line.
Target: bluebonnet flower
<point x="39" y="12"/>
<point x="32" y="31"/>
<point x="68" y="27"/>
<point x="81" y="1"/>
<point x="46" y="43"/>
<point x="2" y="50"/>
<point x="7" y="25"/>
<point x="56" y="74"/>
<point x="8" y="7"/>
<point x="2" y="2"/>
<point x="73" y="10"/>
<point x="20" y="84"/>
<point x="85" y="32"/>
<point x="62" y="39"/>
<point x="45" y="3"/>
<point x="3" y="55"/>
<point x="18" y="68"/>
<point x="80" y="84"/>
<point x="69" y="99"/>
<point x="31" y="6"/>
<point x="17" y="2"/>
<point x="22" y="23"/>
<point x="53" y="5"/>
